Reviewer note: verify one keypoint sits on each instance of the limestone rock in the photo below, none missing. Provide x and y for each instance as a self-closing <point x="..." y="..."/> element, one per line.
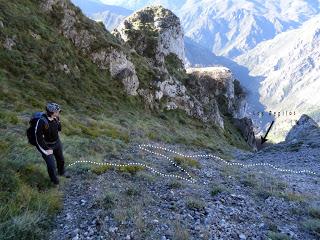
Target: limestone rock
<point x="306" y="127"/>
<point x="9" y="43"/>
<point x="96" y="43"/>
<point x="219" y="83"/>
<point x="245" y="126"/>
<point x="153" y="32"/>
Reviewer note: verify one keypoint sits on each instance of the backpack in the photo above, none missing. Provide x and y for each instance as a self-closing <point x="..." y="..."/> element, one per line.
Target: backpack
<point x="31" y="134"/>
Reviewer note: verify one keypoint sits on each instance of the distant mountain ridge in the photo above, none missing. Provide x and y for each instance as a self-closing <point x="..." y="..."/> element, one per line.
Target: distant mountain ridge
<point x="288" y="67"/>
<point x="233" y="27"/>
<point x="110" y="15"/>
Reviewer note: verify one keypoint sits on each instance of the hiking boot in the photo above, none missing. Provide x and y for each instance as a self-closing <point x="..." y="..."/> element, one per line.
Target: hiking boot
<point x="66" y="175"/>
<point x="55" y="184"/>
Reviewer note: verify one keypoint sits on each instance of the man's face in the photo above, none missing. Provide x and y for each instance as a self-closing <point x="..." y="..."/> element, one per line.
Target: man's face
<point x="56" y="114"/>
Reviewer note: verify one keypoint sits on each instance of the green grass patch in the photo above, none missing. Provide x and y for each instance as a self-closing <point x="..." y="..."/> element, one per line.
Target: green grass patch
<point x="314" y="212"/>
<point x="215" y="190"/>
<point x="101" y="169"/>
<point x="249" y="180"/>
<point x="277" y="236"/>
<point x="292" y="196"/>
<point x="312" y="225"/>
<point x="187" y="162"/>
<point x="132" y="170"/>
<point x="195" y="204"/>
<point x="174" y="184"/>
<point x="132" y="191"/>
<point x="107" y="201"/>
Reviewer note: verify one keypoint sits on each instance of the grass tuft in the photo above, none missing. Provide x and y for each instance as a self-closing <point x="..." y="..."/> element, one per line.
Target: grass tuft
<point x="187" y="162"/>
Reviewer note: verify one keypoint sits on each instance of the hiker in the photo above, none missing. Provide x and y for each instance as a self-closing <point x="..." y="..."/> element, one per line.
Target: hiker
<point x="48" y="142"/>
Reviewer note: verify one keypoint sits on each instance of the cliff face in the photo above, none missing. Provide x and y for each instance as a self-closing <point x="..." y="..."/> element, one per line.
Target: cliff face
<point x="219" y="83"/>
<point x="208" y="94"/>
<point x="94" y="41"/>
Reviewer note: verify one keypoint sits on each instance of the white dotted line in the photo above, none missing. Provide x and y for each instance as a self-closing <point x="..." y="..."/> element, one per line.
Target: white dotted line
<point x="191" y="179"/>
<point x="136" y="164"/>
<point x="228" y="163"/>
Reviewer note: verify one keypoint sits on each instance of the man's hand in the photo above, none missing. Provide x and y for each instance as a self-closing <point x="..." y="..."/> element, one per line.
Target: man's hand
<point x="50" y="151"/>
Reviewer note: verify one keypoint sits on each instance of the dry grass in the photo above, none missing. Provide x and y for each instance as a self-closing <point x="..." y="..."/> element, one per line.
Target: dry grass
<point x="187" y="162"/>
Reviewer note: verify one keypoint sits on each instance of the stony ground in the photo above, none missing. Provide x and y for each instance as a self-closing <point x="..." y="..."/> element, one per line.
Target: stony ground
<point x="225" y="202"/>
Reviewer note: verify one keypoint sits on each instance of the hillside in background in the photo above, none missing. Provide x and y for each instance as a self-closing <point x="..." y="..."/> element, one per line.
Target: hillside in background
<point x="222" y="33"/>
<point x="288" y="67"/>
<point x="230" y="28"/>
<point x="110" y="15"/>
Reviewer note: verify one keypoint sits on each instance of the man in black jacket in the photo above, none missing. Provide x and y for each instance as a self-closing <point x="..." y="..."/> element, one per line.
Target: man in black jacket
<point x="48" y="142"/>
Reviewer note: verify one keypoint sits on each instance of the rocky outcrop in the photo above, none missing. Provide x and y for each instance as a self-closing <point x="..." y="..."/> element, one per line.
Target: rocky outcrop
<point x="93" y="40"/>
<point x="306" y="127"/>
<point x="218" y="83"/>
<point x="218" y="92"/>
<point x="9" y="43"/>
<point x="245" y="126"/>
<point x="206" y="93"/>
<point x="154" y="32"/>
<point x="221" y="94"/>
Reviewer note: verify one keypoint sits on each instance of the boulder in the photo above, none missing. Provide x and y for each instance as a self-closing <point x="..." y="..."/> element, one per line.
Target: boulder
<point x="305" y="128"/>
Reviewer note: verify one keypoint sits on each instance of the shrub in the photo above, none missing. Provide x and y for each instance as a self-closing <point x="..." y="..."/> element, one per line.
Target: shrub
<point x="216" y="190"/>
<point x="186" y="161"/>
<point x="101" y="169"/>
<point x="314" y="212"/>
<point x="131" y="169"/>
<point x="277" y="236"/>
<point x="132" y="191"/>
<point x="312" y="225"/>
<point x="195" y="204"/>
<point x="249" y="180"/>
<point x="174" y="184"/>
<point x="106" y="201"/>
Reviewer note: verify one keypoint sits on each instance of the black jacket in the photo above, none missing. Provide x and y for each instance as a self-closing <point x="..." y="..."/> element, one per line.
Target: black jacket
<point x="47" y="132"/>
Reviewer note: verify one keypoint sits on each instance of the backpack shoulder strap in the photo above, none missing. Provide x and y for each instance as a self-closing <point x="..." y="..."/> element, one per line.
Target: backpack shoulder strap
<point x="43" y="117"/>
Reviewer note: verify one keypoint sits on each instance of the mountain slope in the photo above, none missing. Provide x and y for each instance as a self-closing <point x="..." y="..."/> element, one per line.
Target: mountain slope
<point x="288" y="65"/>
<point x="227" y="201"/>
<point x="49" y="51"/>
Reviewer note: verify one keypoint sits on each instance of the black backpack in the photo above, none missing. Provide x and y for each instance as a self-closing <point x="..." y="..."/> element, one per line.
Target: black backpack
<point x="31" y="134"/>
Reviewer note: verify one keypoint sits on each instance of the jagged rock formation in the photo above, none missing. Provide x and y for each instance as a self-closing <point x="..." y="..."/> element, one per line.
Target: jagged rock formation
<point x="306" y="127"/>
<point x="217" y="87"/>
<point x="220" y="84"/>
<point x="153" y="32"/>
<point x="156" y="33"/>
<point x="94" y="42"/>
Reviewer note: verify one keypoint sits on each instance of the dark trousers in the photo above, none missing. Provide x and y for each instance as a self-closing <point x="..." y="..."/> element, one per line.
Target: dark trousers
<point x="51" y="162"/>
